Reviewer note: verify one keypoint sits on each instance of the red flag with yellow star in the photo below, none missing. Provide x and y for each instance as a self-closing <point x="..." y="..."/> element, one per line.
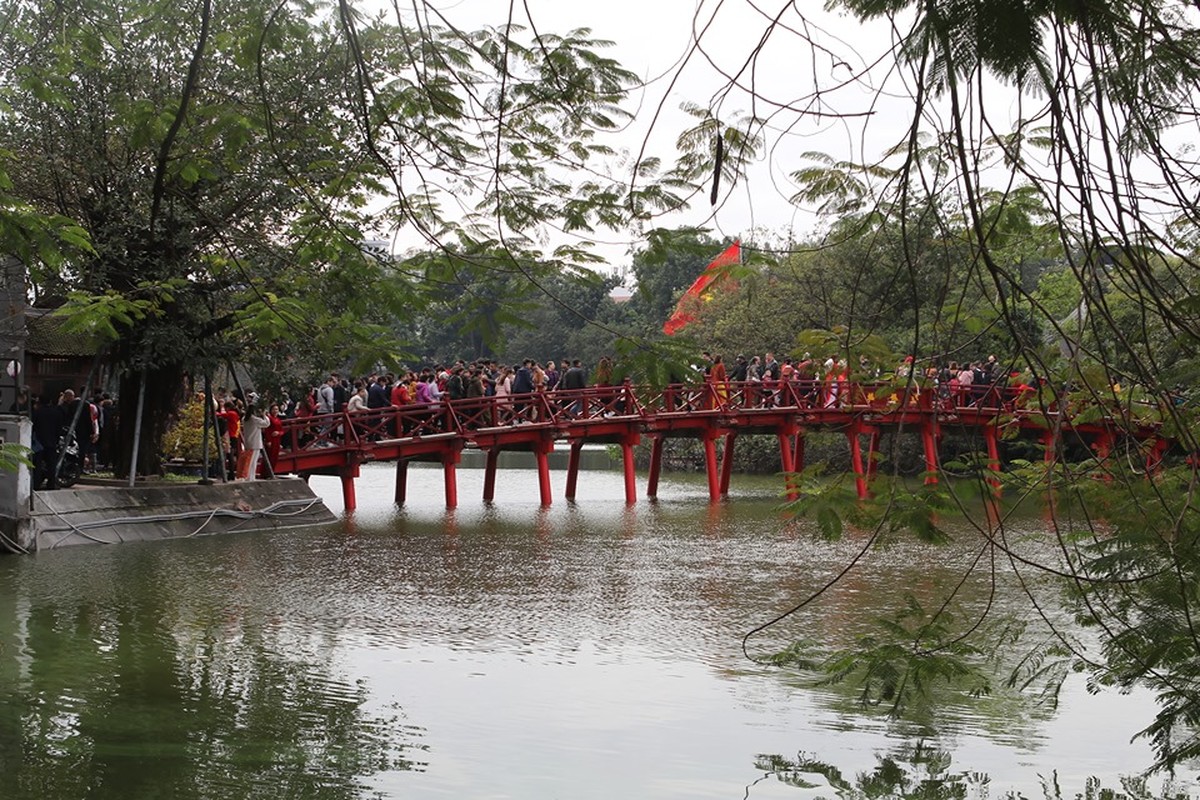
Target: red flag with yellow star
<point x="701" y="290"/>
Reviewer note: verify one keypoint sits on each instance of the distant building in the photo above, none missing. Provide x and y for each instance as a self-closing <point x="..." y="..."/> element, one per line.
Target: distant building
<point x="620" y="295"/>
<point x="35" y="349"/>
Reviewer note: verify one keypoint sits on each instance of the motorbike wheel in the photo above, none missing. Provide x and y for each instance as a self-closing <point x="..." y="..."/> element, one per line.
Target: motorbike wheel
<point x="69" y="473"/>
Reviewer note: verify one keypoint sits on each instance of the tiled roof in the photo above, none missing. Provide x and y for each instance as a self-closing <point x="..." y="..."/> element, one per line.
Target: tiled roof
<point x="47" y="337"/>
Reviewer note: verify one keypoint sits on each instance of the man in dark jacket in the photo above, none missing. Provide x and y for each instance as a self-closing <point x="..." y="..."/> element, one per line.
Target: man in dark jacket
<point x="379" y="393"/>
<point x="48" y="420"/>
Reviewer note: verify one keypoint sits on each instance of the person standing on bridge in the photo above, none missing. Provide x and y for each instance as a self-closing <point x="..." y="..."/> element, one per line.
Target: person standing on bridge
<point x="522" y="385"/>
<point x="273" y="436"/>
<point x="573" y="379"/>
<point x="719" y="381"/>
<point x="252" y="443"/>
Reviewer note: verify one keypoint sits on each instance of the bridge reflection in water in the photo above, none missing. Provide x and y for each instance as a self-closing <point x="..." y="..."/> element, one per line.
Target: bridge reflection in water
<point x="338" y="444"/>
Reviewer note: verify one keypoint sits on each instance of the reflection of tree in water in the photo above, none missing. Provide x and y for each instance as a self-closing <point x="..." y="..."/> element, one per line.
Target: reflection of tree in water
<point x="124" y="700"/>
<point x="919" y="772"/>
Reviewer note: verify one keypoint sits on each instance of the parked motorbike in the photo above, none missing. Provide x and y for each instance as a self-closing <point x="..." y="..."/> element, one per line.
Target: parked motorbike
<point x="70" y="463"/>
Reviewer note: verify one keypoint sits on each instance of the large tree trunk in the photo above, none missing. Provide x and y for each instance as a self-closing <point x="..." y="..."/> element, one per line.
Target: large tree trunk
<point x="164" y="389"/>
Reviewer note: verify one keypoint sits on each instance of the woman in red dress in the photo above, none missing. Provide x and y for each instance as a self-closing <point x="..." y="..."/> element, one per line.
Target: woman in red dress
<point x="272" y="438"/>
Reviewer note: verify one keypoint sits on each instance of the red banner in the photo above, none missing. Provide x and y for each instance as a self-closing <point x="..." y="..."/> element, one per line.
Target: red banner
<point x="700" y="291"/>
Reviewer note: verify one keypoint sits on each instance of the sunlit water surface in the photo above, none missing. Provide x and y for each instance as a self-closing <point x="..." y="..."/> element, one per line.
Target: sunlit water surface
<point x="587" y="650"/>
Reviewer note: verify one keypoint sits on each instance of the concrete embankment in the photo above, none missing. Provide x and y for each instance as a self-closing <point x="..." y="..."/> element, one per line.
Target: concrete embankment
<point x="109" y="515"/>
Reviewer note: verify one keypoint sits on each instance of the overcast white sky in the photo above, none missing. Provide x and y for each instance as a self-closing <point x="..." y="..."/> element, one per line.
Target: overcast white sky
<point x="653" y="37"/>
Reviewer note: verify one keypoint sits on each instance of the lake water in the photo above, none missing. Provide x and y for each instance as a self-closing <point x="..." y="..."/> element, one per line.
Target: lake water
<point x="587" y="650"/>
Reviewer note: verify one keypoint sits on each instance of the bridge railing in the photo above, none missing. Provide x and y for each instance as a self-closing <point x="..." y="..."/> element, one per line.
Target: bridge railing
<point x="559" y="408"/>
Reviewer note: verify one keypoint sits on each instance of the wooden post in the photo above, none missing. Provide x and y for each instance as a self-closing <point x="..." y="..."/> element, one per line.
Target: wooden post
<point x="349" y="499"/>
<point x="710" y="466"/>
<point x="1103" y="448"/>
<point x="630" y="471"/>
<point x="787" y="463"/>
<point x="873" y="455"/>
<point x="401" y="481"/>
<point x="489" y="474"/>
<point x="656" y="452"/>
<point x="798" y="453"/>
<point x="450" y="478"/>
<point x="543" y="468"/>
<point x="860" y="478"/>
<point x="727" y="462"/>
<point x="929" y="442"/>
<point x="993" y="450"/>
<point x="573" y="468"/>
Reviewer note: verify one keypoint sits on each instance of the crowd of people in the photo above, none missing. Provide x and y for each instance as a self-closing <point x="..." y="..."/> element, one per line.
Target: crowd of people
<point x="250" y="428"/>
<point x="67" y="419"/>
<point x="825" y="382"/>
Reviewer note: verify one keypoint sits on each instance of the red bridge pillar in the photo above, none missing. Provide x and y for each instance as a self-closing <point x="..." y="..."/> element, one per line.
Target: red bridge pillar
<point x="710" y="466"/>
<point x="401" y="481"/>
<point x="727" y="462"/>
<point x="856" y="461"/>
<point x="627" y="443"/>
<point x="929" y="442"/>
<point x="349" y="499"/>
<point x="573" y="468"/>
<point x="489" y="475"/>
<point x="450" y="477"/>
<point x="993" y="450"/>
<point x="656" y="452"/>
<point x="541" y="451"/>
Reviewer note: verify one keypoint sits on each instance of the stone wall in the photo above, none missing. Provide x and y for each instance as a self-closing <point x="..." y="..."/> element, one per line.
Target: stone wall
<point x="110" y="515"/>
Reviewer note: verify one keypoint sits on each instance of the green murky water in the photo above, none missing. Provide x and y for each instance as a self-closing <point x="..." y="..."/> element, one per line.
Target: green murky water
<point x="581" y="651"/>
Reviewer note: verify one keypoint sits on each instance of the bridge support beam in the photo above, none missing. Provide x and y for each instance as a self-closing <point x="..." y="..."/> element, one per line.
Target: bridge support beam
<point x="573" y="469"/>
<point x="349" y="498"/>
<point x="541" y="452"/>
<point x="929" y="443"/>
<point x="1103" y="447"/>
<point x="450" y="477"/>
<point x="627" y="443"/>
<point x="993" y="451"/>
<point x="1154" y="456"/>
<point x="656" y="453"/>
<point x="489" y="474"/>
<point x="710" y="467"/>
<point x="727" y="462"/>
<point x="1050" y="443"/>
<point x="401" y="481"/>
<point x="787" y="462"/>
<point x="873" y="455"/>
<point x="856" y="461"/>
<point x="798" y="453"/>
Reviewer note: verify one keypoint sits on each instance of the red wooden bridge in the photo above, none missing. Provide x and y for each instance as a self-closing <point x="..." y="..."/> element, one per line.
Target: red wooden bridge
<point x="338" y="444"/>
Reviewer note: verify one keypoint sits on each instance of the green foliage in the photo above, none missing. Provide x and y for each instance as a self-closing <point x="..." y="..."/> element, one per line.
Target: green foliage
<point x="13" y="456"/>
<point x="185" y="438"/>
<point x="907" y="657"/>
